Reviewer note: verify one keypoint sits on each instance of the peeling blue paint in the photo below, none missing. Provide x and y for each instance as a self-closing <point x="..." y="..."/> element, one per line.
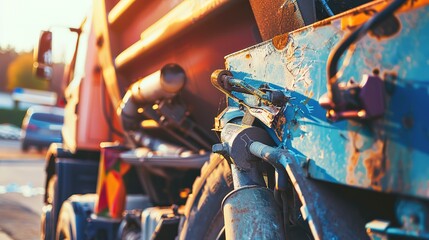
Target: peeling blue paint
<point x="390" y="154"/>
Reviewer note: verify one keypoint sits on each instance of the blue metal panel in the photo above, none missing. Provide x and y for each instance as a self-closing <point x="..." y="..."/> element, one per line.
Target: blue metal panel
<point x="389" y="154"/>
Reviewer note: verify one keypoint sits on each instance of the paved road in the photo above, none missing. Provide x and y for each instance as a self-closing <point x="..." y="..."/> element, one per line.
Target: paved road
<point x="21" y="189"/>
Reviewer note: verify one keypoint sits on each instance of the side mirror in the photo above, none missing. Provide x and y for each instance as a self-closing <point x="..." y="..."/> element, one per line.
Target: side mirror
<point x="42" y="65"/>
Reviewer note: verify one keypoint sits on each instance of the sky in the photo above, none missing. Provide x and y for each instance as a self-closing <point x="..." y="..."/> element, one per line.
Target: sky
<point x="21" y="21"/>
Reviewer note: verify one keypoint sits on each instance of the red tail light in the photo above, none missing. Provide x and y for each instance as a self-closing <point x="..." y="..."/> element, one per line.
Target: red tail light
<point x="32" y="127"/>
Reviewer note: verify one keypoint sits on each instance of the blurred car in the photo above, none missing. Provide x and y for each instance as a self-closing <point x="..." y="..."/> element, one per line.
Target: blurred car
<point x="41" y="126"/>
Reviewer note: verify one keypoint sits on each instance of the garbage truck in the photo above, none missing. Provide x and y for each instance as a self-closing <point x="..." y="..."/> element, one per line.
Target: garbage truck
<point x="235" y="119"/>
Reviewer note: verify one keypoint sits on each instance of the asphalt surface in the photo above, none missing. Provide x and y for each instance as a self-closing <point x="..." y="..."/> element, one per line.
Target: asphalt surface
<point x="21" y="191"/>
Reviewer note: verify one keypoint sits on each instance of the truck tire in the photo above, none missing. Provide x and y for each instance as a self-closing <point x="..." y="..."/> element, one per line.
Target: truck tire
<point x="46" y="222"/>
<point x="25" y="147"/>
<point x="47" y="218"/>
<point x="73" y="218"/>
<point x="50" y="191"/>
<point x="66" y="226"/>
<point x="203" y="213"/>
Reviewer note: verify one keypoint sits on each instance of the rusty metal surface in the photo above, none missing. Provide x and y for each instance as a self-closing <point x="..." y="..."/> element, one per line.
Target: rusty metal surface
<point x="175" y="22"/>
<point x="345" y="221"/>
<point x="279" y="16"/>
<point x="390" y="154"/>
<point x="251" y="213"/>
<point x="198" y="49"/>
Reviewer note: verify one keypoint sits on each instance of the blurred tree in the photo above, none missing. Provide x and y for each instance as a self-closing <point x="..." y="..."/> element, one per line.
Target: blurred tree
<point x="7" y="55"/>
<point x="20" y="74"/>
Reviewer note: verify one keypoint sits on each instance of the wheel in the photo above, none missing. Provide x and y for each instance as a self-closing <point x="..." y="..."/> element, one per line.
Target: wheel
<point x="66" y="226"/>
<point x="203" y="213"/>
<point x="25" y="147"/>
<point x="47" y="218"/>
<point x="131" y="232"/>
<point x="50" y="191"/>
<point x="46" y="222"/>
<point x="73" y="218"/>
<point x="40" y="149"/>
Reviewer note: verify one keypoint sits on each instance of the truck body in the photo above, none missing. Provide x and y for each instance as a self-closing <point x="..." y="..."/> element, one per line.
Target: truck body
<point x="244" y="120"/>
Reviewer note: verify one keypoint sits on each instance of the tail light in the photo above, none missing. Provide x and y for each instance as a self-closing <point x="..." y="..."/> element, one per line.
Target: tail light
<point x="32" y="127"/>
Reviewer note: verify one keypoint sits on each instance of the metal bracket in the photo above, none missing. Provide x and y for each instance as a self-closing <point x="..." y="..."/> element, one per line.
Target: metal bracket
<point x="269" y="101"/>
<point x="355" y="101"/>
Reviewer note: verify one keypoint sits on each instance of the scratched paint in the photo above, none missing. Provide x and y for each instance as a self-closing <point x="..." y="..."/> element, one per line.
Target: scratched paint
<point x="390" y="154"/>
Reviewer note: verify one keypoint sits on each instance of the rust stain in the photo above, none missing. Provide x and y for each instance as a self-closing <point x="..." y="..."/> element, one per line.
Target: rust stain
<point x="279" y="126"/>
<point x="353" y="161"/>
<point x="376" y="164"/>
<point x="309" y="96"/>
<point x="294" y="124"/>
<point x="280" y="41"/>
<point x="373" y="158"/>
<point x="361" y="15"/>
<point x="241" y="211"/>
<point x="354" y="157"/>
<point x="248" y="56"/>
<point x="322" y="23"/>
